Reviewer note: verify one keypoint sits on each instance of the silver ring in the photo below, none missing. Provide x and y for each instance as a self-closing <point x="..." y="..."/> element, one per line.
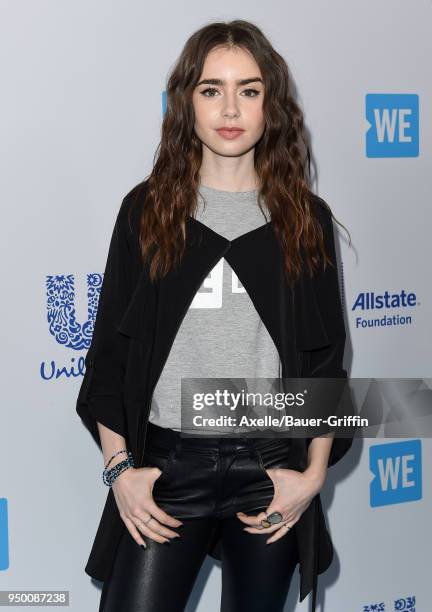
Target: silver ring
<point x="147" y="521"/>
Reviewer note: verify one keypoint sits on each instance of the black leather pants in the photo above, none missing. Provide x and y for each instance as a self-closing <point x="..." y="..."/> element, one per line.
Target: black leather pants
<point x="204" y="482"/>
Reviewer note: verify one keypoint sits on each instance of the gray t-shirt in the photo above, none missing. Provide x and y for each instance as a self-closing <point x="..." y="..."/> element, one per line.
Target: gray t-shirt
<point x="221" y="335"/>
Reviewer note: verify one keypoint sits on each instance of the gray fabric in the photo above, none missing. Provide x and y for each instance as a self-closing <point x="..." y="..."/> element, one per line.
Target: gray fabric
<point x="221" y="334"/>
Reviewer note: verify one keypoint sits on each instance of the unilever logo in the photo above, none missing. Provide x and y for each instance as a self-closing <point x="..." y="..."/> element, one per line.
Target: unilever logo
<point x="402" y="604"/>
<point x="397" y="473"/>
<point x="63" y="324"/>
<point x="393" y="125"/>
<point x="377" y="309"/>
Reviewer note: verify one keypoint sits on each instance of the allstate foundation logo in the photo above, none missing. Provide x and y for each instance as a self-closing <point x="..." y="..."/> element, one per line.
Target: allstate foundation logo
<point x="63" y="324"/>
<point x="393" y="125"/>
<point x="384" y="309"/>
<point x="397" y="473"/>
<point x="402" y="604"/>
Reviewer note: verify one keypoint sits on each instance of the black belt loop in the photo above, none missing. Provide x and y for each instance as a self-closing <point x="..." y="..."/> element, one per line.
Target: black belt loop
<point x="252" y="448"/>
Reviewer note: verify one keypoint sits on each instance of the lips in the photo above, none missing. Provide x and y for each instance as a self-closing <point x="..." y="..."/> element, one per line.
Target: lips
<point x="230" y="133"/>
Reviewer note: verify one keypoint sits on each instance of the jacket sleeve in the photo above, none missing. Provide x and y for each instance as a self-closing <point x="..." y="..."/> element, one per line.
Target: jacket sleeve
<point x="327" y="362"/>
<point x="100" y="397"/>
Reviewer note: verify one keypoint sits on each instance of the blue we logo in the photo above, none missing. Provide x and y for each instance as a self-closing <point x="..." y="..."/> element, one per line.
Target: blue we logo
<point x="393" y="121"/>
<point x="397" y="471"/>
<point x="4" y="535"/>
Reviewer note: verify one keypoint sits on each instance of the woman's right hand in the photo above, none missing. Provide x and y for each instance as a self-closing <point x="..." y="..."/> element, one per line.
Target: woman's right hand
<point x="133" y="494"/>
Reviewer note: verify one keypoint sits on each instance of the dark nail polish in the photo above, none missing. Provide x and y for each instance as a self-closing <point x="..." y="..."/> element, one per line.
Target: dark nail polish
<point x="142" y="546"/>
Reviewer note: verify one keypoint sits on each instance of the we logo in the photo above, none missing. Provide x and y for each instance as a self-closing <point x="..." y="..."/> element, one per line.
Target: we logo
<point x="4" y="535"/>
<point x="393" y="125"/>
<point x="397" y="471"/>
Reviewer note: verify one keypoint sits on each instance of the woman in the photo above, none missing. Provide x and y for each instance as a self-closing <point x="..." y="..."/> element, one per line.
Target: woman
<point x="221" y="264"/>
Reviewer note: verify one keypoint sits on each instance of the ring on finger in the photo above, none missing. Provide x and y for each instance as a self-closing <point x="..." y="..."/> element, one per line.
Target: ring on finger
<point x="271" y="519"/>
<point x="147" y="520"/>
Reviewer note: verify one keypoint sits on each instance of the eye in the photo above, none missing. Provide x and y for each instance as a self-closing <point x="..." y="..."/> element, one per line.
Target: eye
<point x="254" y="91"/>
<point x="209" y="89"/>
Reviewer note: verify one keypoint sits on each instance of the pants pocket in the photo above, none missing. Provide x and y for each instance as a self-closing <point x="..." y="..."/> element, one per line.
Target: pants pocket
<point x="161" y="458"/>
<point x="274" y="456"/>
<point x="263" y="469"/>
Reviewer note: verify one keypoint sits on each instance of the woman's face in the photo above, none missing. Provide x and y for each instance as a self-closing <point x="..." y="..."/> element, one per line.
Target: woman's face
<point x="222" y="100"/>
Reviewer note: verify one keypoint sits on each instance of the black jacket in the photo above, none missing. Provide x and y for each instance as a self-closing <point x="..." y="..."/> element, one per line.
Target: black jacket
<point x="136" y="325"/>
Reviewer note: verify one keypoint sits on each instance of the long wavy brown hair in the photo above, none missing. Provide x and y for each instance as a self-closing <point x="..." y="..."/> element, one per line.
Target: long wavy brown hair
<point x="281" y="157"/>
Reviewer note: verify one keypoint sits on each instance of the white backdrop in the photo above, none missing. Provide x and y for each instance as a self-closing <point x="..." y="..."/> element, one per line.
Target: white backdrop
<point x="81" y="107"/>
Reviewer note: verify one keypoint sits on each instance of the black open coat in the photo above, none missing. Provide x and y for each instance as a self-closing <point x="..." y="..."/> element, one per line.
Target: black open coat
<point x="136" y="325"/>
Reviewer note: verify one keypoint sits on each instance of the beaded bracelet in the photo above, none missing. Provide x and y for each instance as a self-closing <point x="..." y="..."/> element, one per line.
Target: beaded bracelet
<point x="115" y="455"/>
<point x="109" y="476"/>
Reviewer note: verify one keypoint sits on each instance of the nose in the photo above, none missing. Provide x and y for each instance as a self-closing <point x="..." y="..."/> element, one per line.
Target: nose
<point x="230" y="108"/>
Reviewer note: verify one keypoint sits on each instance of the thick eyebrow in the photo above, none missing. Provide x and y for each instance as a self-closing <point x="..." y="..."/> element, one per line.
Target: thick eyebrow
<point x="222" y="82"/>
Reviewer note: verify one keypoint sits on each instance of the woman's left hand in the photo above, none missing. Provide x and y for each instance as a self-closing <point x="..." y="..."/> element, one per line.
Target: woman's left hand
<point x="293" y="492"/>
